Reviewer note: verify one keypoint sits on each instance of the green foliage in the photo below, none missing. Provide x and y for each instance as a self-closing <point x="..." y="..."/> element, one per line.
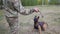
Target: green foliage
<point x="54" y="2"/>
<point x="30" y="2"/>
<point x="39" y="2"/>
<point x="1" y="2"/>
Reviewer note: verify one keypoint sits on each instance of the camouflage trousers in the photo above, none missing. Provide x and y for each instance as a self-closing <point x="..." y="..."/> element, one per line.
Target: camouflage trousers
<point x="13" y="24"/>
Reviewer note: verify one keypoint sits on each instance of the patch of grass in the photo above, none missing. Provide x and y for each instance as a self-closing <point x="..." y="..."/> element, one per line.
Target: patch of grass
<point x="1" y="15"/>
<point x="1" y="12"/>
<point x="25" y="24"/>
<point x="2" y="30"/>
<point x="57" y="20"/>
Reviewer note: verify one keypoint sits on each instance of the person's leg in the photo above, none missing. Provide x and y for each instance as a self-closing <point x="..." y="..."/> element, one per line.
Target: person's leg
<point x="39" y="28"/>
<point x="45" y="26"/>
<point x="13" y="24"/>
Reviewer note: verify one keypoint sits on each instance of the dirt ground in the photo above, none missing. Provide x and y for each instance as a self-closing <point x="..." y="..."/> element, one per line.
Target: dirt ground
<point x="51" y="17"/>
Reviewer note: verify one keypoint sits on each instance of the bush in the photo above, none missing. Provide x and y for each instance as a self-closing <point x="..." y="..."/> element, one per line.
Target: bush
<point x="54" y="2"/>
<point x="30" y="2"/>
<point x="1" y="2"/>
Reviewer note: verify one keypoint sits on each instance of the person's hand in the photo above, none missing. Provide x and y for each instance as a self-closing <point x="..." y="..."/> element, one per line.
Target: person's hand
<point x="36" y="10"/>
